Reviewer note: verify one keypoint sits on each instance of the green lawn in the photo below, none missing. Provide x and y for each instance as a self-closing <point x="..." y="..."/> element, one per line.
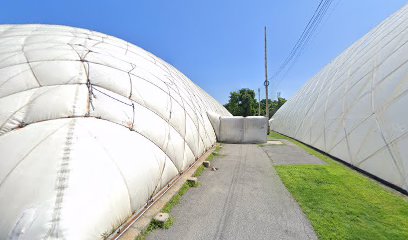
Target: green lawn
<point x="342" y="203"/>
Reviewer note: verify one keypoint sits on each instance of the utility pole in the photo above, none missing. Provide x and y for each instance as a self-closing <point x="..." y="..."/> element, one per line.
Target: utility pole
<point x="259" y="102"/>
<point x="266" y="83"/>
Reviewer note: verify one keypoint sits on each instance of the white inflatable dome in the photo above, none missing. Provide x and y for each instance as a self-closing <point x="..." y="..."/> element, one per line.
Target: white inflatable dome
<point x="356" y="108"/>
<point x="91" y="127"/>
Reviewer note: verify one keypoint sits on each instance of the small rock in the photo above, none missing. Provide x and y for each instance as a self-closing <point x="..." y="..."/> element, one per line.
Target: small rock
<point x="206" y="164"/>
<point x="161" y="217"/>
<point x="214" y="169"/>
<point x="192" y="180"/>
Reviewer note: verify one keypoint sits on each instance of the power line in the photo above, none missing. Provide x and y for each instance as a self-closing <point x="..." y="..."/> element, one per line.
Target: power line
<point x="299" y="53"/>
<point x="304" y="38"/>
<point x="300" y="40"/>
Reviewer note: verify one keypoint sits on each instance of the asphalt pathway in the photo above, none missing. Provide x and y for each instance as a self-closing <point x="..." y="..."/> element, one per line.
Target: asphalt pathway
<point x="243" y="199"/>
<point x="288" y="153"/>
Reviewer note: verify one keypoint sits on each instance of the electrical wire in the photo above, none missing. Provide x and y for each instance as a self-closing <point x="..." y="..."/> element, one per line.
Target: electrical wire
<point x="304" y="39"/>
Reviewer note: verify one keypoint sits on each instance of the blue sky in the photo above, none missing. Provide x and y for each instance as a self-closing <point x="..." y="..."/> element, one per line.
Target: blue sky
<point x="218" y="44"/>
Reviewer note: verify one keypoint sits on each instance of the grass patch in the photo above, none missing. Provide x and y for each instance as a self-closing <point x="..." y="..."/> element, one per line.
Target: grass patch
<point x="153" y="226"/>
<point x="167" y="209"/>
<point x="177" y="198"/>
<point x="342" y="203"/>
<point x="199" y="171"/>
<point x="211" y="157"/>
<point x="215" y="153"/>
<point x="275" y="136"/>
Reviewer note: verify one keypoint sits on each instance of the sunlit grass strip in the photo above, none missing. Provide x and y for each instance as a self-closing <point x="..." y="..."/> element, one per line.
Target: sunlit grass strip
<point x="341" y="203"/>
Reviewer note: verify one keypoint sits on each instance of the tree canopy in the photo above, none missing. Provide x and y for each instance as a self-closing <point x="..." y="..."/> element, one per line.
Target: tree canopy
<point x="244" y="103"/>
<point x="273" y="105"/>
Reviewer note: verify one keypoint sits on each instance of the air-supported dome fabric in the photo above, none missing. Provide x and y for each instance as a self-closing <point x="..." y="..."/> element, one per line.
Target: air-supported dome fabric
<point x="356" y="108"/>
<point x="91" y="127"/>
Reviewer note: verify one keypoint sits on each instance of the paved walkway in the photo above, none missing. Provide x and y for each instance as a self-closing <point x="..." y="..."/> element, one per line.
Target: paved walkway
<point x="288" y="153"/>
<point x="243" y="199"/>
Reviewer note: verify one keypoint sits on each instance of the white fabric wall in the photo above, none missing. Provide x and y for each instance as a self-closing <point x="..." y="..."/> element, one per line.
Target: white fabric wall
<point x="238" y="129"/>
<point x="215" y="120"/>
<point x="91" y="127"/>
<point x="255" y="129"/>
<point x="231" y="129"/>
<point x="356" y="108"/>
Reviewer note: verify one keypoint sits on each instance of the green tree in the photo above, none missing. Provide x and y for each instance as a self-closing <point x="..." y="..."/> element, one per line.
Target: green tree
<point x="273" y="106"/>
<point x="242" y="103"/>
